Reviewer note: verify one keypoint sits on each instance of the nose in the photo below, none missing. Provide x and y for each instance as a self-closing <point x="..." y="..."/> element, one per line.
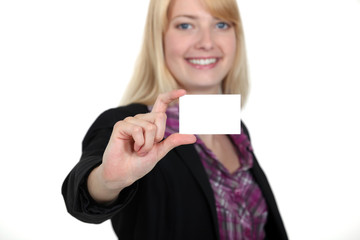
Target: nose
<point x="205" y="40"/>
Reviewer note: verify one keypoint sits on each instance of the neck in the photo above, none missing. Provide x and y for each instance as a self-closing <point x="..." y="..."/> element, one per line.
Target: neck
<point x="210" y="139"/>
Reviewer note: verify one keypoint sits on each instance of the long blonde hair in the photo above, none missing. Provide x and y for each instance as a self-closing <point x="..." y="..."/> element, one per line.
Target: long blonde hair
<point x="151" y="76"/>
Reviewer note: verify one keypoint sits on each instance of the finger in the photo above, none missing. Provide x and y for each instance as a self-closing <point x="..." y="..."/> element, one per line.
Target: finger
<point x="149" y="132"/>
<point x="163" y="100"/>
<point x="159" y="119"/>
<point x="127" y="131"/>
<point x="173" y="141"/>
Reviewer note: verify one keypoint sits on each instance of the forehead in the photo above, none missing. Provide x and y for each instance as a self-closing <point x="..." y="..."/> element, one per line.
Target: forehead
<point x="187" y="7"/>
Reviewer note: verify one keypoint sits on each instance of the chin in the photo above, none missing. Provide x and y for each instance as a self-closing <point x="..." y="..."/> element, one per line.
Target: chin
<point x="203" y="89"/>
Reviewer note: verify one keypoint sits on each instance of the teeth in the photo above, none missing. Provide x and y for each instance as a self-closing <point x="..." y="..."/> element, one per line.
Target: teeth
<point x="203" y="61"/>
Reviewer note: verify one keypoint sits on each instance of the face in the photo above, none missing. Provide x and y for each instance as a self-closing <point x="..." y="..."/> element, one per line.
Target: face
<point x="199" y="48"/>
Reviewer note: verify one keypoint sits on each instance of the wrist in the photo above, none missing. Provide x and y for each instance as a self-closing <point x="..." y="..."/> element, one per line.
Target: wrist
<point x="99" y="190"/>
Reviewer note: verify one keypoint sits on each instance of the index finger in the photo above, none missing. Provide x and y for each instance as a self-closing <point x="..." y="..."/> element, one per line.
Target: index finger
<point x="163" y="100"/>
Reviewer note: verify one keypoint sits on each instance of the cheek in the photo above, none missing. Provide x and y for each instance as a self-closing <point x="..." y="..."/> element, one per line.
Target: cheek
<point x="230" y="48"/>
<point x="170" y="49"/>
<point x="231" y="44"/>
<point x="173" y="56"/>
<point x="174" y="47"/>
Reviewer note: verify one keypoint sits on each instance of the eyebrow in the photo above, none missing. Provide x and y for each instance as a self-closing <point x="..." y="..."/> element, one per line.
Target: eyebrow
<point x="185" y="16"/>
<point x="189" y="16"/>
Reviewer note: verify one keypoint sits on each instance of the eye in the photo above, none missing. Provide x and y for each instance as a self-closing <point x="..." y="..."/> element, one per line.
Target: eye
<point x="222" y="25"/>
<point x="184" y="26"/>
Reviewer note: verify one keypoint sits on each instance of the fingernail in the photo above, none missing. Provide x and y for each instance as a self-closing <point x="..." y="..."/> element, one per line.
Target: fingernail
<point x="141" y="154"/>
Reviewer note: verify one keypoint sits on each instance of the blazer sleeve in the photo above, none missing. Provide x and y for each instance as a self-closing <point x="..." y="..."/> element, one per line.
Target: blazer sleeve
<point x="74" y="189"/>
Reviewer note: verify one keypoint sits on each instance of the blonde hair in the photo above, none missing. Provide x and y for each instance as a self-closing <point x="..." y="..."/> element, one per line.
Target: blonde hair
<point x="151" y="76"/>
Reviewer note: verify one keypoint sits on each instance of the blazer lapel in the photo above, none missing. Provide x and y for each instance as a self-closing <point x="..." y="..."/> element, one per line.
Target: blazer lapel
<point x="191" y="158"/>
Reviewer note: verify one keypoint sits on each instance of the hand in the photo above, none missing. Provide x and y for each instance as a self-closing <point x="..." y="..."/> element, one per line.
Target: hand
<point x="135" y="147"/>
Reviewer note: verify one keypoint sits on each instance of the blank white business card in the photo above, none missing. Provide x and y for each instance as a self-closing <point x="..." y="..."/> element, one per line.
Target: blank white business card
<point x="210" y="114"/>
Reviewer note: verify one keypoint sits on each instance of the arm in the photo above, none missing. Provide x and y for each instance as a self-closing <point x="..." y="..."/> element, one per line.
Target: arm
<point x="132" y="149"/>
<point x="77" y="198"/>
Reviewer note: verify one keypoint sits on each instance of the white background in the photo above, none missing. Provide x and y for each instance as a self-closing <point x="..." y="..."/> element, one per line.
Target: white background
<point x="64" y="62"/>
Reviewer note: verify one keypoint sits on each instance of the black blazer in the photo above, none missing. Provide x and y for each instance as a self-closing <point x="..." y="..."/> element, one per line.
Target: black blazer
<point x="173" y="201"/>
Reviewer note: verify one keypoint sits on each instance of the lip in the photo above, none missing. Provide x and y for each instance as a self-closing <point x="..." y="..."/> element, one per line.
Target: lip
<point x="203" y="62"/>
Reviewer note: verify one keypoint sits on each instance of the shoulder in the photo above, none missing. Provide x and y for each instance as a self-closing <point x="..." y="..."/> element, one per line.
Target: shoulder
<point x="245" y="129"/>
<point x="105" y="122"/>
<point x="113" y="115"/>
<point x="109" y="117"/>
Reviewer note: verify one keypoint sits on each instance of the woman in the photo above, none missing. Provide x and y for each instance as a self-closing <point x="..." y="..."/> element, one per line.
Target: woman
<point x="204" y="187"/>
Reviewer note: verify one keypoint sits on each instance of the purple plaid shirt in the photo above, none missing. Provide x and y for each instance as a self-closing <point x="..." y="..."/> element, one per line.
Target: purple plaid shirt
<point x="240" y="206"/>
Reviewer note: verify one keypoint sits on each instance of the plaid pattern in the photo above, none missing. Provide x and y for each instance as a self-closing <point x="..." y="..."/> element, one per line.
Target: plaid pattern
<point x="241" y="208"/>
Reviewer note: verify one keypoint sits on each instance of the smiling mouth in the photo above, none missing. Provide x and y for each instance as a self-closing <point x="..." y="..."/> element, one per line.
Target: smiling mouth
<point x="202" y="61"/>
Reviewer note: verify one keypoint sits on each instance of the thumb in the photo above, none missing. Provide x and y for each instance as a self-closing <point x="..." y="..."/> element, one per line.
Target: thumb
<point x="173" y="141"/>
